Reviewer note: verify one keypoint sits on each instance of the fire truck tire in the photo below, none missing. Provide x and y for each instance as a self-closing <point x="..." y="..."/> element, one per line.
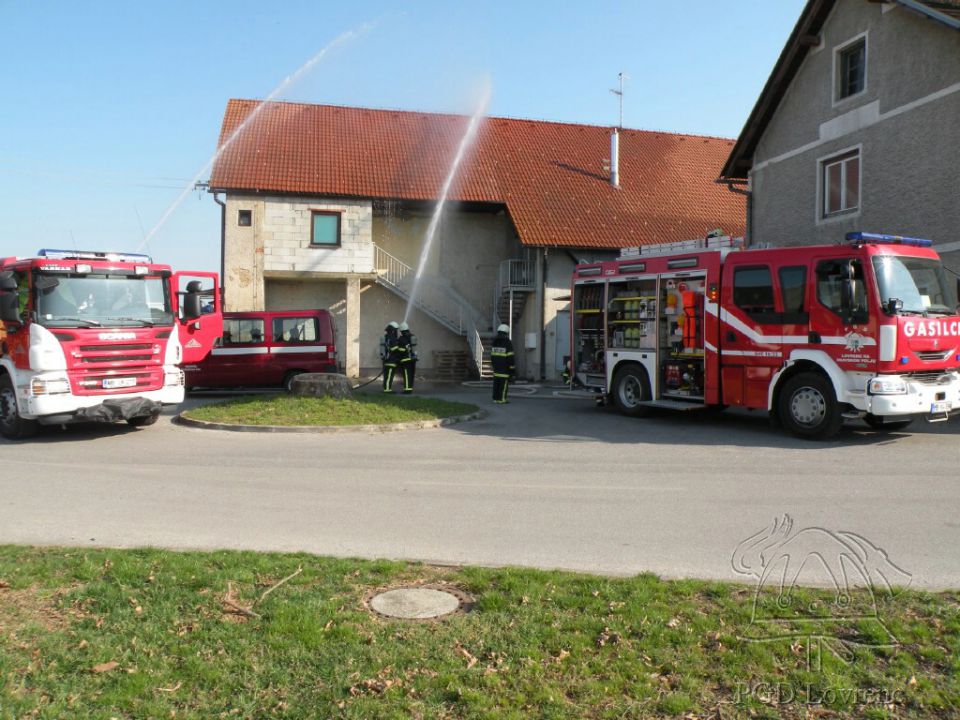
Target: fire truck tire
<point x="631" y="386"/>
<point x="143" y="420"/>
<point x="809" y="407"/>
<point x="878" y="422"/>
<point x="12" y="426"/>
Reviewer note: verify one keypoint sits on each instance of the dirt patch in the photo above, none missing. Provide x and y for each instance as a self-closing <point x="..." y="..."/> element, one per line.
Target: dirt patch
<point x="32" y="606"/>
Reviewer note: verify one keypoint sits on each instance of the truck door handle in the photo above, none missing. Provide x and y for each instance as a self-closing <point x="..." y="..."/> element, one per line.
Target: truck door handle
<point x="813" y="337"/>
<point x="731" y="336"/>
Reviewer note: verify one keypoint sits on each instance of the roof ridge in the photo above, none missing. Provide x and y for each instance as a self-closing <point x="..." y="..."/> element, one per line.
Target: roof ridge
<point x="506" y="118"/>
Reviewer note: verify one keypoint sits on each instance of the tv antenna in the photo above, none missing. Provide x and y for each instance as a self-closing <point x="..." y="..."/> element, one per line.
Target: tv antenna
<point x="619" y="93"/>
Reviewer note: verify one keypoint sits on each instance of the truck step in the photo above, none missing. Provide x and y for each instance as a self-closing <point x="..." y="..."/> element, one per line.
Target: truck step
<point x="673" y="405"/>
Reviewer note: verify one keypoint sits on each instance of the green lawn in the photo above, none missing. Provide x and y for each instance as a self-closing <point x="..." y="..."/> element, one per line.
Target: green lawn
<point x="361" y="409"/>
<point x="153" y="634"/>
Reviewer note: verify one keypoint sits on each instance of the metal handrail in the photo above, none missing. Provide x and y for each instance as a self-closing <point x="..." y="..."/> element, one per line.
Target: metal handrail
<point x="431" y="296"/>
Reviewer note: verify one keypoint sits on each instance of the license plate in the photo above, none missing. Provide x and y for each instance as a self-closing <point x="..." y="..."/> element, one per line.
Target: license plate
<point x="113" y="383"/>
<point x="940" y="406"/>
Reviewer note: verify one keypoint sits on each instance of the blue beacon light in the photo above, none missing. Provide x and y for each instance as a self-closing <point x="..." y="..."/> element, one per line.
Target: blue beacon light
<point x="866" y="237"/>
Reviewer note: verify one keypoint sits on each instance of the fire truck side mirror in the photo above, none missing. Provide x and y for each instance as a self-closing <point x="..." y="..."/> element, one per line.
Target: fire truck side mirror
<point x="9" y="297"/>
<point x="192" y="301"/>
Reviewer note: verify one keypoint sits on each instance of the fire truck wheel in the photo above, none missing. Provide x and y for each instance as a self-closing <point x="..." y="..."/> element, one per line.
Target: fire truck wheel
<point x="12" y="426"/>
<point x="631" y="386"/>
<point x="808" y="406"/>
<point x="878" y="422"/>
<point x="143" y="420"/>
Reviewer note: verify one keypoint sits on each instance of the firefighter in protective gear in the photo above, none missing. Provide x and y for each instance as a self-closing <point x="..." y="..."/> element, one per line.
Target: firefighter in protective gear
<point x="504" y="368"/>
<point x="390" y="352"/>
<point x="408" y="356"/>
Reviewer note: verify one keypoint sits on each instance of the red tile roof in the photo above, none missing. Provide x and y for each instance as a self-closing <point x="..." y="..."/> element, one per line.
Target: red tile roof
<point x="550" y="176"/>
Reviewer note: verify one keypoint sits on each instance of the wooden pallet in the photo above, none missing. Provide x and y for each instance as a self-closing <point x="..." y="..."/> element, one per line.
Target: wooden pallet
<point x="451" y="365"/>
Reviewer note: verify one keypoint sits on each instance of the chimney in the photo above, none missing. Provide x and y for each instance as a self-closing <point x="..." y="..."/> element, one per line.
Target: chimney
<point x="615" y="158"/>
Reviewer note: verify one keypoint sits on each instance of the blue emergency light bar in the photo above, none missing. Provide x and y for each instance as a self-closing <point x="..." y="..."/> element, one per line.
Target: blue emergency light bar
<point x="862" y="237"/>
<point x="93" y="255"/>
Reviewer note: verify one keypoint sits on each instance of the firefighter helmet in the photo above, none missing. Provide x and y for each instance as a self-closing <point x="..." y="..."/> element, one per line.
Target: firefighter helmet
<point x="403" y="327"/>
<point x="392" y="324"/>
<point x="504" y="329"/>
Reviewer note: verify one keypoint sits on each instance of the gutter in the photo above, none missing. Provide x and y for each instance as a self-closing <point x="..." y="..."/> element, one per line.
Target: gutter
<point x="930" y="12"/>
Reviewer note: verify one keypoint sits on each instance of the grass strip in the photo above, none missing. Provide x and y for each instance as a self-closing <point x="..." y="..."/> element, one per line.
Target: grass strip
<point x="156" y="634"/>
<point x="283" y="409"/>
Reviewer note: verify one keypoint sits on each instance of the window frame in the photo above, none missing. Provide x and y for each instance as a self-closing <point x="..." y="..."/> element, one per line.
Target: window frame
<point x="823" y="164"/>
<point x="837" y="79"/>
<point x="338" y="214"/>
<point x="244" y="217"/>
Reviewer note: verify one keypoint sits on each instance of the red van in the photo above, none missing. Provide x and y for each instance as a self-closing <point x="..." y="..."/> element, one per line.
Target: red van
<point x="267" y="349"/>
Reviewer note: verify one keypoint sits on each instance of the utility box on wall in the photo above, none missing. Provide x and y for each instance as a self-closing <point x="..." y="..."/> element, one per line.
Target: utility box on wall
<point x="530" y="341"/>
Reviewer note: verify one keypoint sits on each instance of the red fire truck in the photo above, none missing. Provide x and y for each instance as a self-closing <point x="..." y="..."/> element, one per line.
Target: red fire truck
<point x="814" y="335"/>
<point x="96" y="336"/>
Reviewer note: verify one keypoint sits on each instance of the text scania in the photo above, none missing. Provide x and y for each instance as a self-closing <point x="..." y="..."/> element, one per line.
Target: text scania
<point x="932" y="328"/>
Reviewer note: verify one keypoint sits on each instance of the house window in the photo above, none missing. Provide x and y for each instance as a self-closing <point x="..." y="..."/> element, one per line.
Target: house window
<point x="851" y="68"/>
<point x="841" y="183"/>
<point x="325" y="228"/>
<point x="244" y="218"/>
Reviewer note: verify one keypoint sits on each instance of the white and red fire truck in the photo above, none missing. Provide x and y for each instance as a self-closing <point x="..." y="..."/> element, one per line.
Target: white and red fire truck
<point x="813" y="335"/>
<point x="96" y="336"/>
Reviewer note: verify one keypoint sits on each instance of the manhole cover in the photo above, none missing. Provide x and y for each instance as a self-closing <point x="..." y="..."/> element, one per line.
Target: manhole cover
<point x="418" y="602"/>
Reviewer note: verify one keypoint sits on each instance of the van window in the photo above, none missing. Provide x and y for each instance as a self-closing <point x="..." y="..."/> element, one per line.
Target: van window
<point x="295" y="329"/>
<point x="242" y="330"/>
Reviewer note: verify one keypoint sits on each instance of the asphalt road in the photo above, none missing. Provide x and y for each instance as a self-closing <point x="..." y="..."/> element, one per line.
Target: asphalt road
<point x="545" y="481"/>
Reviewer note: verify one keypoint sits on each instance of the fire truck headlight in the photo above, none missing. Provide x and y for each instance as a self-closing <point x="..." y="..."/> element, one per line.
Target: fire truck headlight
<point x="173" y="377"/>
<point x="887" y="386"/>
<point x="49" y="386"/>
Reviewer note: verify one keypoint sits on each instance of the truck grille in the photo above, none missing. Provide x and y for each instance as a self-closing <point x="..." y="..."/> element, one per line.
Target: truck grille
<point x="935" y="356"/>
<point x="117" y="354"/>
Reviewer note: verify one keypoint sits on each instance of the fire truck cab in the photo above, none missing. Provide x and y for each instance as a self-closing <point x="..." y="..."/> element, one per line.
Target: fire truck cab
<point x="95" y="336"/>
<point x="814" y="335"/>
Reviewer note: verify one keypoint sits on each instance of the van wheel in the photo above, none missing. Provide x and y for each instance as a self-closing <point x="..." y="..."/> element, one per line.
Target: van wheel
<point x="878" y="422"/>
<point x="288" y="379"/>
<point x="809" y="407"/>
<point x="143" y="420"/>
<point x="631" y="386"/>
<point x="12" y="426"/>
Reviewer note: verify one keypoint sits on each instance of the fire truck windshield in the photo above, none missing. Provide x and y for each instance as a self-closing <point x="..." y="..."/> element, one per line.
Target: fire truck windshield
<point x="101" y="301"/>
<point x="918" y="283"/>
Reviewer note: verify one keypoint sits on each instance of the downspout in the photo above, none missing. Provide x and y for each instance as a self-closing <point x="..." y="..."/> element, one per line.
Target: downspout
<point x="223" y="245"/>
<point x="748" y="239"/>
<point x="543" y="313"/>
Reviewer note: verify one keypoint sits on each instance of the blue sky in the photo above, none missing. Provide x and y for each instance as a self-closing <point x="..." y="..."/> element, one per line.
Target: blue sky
<point x="110" y="109"/>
